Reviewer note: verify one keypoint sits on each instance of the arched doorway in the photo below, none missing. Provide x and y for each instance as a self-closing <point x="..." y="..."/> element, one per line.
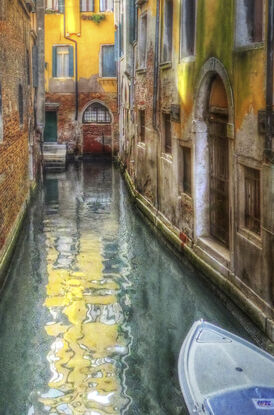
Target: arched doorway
<point x="213" y="130"/>
<point x="97" y="129"/>
<point x="217" y="119"/>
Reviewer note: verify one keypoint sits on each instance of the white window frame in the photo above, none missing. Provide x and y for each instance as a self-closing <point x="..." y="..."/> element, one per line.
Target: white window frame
<point x="109" y="5"/>
<point x="57" y="54"/>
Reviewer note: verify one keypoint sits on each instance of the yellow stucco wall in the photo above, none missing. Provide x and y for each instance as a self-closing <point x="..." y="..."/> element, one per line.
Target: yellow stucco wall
<point x="89" y="35"/>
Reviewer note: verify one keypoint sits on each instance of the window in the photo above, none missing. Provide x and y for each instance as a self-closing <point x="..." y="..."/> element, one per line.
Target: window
<point x="186" y="170"/>
<point x="62" y="62"/>
<point x="167" y="31"/>
<point x="108" y="64"/>
<point x="132" y="22"/>
<point x="20" y="104"/>
<point x="188" y="26"/>
<point x="97" y="113"/>
<point x="252" y="200"/>
<point x="55" y="5"/>
<point x="34" y="66"/>
<point x="142" y="52"/>
<point x="167" y="133"/>
<point x="1" y="116"/>
<point x="106" y="5"/>
<point x="87" y="5"/>
<point x="142" y="124"/>
<point x="249" y="27"/>
<point x="28" y="66"/>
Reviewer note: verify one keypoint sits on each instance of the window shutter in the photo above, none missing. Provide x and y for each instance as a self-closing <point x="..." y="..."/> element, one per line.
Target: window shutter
<point x="108" y="61"/>
<point x="61" y="6"/>
<point x="71" y="64"/>
<point x="54" y="61"/>
<point x="34" y="66"/>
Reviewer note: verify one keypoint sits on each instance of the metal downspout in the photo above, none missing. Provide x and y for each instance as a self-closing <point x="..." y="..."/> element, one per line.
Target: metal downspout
<point x="76" y="65"/>
<point x="155" y="100"/>
<point x="269" y="81"/>
<point x="40" y="109"/>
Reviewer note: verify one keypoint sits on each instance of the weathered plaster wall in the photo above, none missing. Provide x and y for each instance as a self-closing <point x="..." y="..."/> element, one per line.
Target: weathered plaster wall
<point x="157" y="176"/>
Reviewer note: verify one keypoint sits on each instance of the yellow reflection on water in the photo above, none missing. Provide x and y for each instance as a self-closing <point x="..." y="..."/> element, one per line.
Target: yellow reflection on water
<point x="86" y="351"/>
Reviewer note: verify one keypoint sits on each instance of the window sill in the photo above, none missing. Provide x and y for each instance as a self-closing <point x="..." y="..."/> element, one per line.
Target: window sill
<point x="166" y="65"/>
<point x="141" y="145"/>
<point x="167" y="157"/>
<point x="252" y="237"/>
<point x="186" y="59"/>
<point x="248" y="47"/>
<point x="215" y="249"/>
<point x="141" y="70"/>
<point x="107" y="78"/>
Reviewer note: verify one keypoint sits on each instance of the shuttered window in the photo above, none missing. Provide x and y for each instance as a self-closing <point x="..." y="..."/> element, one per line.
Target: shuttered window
<point x="20" y="104"/>
<point x="108" y="61"/>
<point x="34" y="66"/>
<point x="55" y="5"/>
<point x="87" y="5"/>
<point x="142" y="51"/>
<point x="167" y="30"/>
<point x="62" y="62"/>
<point x="187" y="29"/>
<point x="252" y="200"/>
<point x="167" y="133"/>
<point x="106" y="5"/>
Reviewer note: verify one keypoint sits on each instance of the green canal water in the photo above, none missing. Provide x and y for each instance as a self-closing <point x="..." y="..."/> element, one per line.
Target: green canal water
<point x="96" y="307"/>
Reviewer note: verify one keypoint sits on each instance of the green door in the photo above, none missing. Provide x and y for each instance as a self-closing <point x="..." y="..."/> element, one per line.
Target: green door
<point x="51" y="127"/>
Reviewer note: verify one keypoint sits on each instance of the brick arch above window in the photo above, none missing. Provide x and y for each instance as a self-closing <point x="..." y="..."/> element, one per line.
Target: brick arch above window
<point x="96" y="113"/>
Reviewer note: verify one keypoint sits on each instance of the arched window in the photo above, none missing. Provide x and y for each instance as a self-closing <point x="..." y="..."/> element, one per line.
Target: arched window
<point x="97" y="113"/>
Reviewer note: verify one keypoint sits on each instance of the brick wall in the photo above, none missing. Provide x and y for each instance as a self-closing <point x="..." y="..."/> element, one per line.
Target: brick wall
<point x="15" y="40"/>
<point x="71" y="132"/>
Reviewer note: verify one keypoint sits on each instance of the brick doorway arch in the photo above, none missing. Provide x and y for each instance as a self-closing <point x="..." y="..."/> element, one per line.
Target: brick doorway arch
<point x="97" y="129"/>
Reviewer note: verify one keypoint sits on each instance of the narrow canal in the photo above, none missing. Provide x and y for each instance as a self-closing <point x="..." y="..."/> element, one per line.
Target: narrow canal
<point x="95" y="307"/>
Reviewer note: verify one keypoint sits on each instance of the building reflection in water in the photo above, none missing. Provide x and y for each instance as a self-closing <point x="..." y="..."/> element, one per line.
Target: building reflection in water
<point x="84" y="294"/>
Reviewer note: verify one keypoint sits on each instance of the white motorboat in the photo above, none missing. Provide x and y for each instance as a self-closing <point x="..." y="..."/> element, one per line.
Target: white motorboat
<point x="222" y="374"/>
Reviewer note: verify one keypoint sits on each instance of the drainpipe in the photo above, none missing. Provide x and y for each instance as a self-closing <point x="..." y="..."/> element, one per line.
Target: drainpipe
<point x="155" y="100"/>
<point x="76" y="64"/>
<point x="269" y="81"/>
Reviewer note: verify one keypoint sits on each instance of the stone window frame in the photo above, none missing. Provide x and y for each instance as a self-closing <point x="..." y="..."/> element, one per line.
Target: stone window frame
<point x="101" y="61"/>
<point x="141" y="66"/>
<point x="184" y="55"/>
<point x="242" y="230"/>
<point x="245" y="44"/>
<point x="96" y="101"/>
<point x="1" y="116"/>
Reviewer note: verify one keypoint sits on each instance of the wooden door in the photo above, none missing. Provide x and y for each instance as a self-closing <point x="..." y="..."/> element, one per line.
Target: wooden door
<point x="50" y="135"/>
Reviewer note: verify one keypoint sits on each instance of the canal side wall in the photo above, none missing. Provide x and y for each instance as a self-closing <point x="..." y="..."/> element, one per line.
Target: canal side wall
<point x="19" y="135"/>
<point x="185" y="247"/>
<point x="176" y="103"/>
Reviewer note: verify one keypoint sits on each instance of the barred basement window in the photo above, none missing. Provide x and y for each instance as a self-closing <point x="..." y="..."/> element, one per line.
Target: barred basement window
<point x="97" y="113"/>
<point x="167" y="133"/>
<point x="87" y="5"/>
<point x="1" y="116"/>
<point x="142" y="124"/>
<point x="252" y="200"/>
<point x="166" y="54"/>
<point x="20" y="104"/>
